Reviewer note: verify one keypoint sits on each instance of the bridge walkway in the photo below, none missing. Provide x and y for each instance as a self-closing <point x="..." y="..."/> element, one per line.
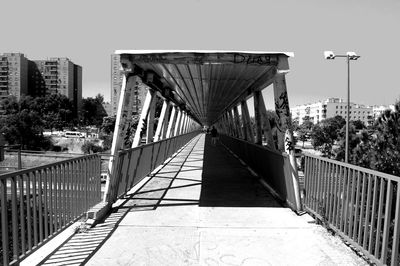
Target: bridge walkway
<point x="203" y="207"/>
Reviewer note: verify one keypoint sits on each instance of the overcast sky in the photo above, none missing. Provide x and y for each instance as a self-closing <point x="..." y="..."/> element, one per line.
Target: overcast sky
<point x="88" y="32"/>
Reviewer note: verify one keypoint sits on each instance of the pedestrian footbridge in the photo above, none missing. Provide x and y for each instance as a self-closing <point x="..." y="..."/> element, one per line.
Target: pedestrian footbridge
<point x="174" y="198"/>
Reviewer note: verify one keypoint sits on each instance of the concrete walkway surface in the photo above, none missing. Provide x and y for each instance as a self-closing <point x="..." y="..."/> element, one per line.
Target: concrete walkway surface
<point x="203" y="208"/>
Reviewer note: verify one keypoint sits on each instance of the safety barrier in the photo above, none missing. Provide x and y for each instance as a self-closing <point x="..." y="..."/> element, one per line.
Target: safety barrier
<point x="273" y="167"/>
<point x="359" y="204"/>
<point x="136" y="163"/>
<point x="39" y="202"/>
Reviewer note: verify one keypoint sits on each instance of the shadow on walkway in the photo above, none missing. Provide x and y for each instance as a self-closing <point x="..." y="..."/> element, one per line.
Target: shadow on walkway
<point x="227" y="183"/>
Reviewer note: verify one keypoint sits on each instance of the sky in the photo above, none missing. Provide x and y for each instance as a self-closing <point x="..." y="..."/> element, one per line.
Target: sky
<point x="88" y="32"/>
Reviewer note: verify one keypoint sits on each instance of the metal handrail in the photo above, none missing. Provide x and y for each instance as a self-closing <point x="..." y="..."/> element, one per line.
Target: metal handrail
<point x="39" y="202"/>
<point x="361" y="205"/>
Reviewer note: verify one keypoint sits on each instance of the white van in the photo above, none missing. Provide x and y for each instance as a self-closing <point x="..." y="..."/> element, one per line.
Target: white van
<point x="73" y="134"/>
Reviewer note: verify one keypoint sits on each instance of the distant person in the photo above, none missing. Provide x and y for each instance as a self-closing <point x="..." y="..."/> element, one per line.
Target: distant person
<point x="214" y="136"/>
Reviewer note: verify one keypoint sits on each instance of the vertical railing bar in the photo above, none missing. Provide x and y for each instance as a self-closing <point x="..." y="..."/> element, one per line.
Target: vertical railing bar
<point x="318" y="191"/>
<point x="22" y="213"/>
<point x="336" y="195"/>
<point x="85" y="183"/>
<point x="29" y="210"/>
<point x="41" y="205"/>
<point x="46" y="211"/>
<point x="352" y="196"/>
<point x="14" y="217"/>
<point x="357" y="208"/>
<point x="324" y="189"/>
<point x="56" y="197"/>
<point x="396" y="229"/>
<point x="75" y="183"/>
<point x="367" y="213"/>
<point x="346" y="206"/>
<point x="331" y="191"/>
<point x="306" y="180"/>
<point x="67" y="195"/>
<point x="387" y="220"/>
<point x="98" y="167"/>
<point x="379" y="223"/>
<point x="373" y="218"/>
<point x="4" y="221"/>
<point x="62" y="196"/>
<point x="79" y="188"/>
<point x="35" y="200"/>
<point x="50" y="198"/>
<point x="342" y="196"/>
<point x="360" y="224"/>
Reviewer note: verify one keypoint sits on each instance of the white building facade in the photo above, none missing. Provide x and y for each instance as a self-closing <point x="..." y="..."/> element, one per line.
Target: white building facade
<point x="379" y="109"/>
<point x="331" y="107"/>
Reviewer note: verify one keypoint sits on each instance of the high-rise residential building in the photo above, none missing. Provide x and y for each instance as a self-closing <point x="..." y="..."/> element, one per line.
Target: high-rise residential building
<point x="116" y="84"/>
<point x="56" y="75"/>
<point x="331" y="107"/>
<point x="20" y="76"/>
<point x="13" y="75"/>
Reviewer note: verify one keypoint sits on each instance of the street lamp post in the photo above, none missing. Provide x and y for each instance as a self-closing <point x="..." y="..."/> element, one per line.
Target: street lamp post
<point x="349" y="56"/>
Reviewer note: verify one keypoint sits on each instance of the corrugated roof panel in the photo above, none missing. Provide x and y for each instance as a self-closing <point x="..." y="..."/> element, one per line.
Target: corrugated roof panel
<point x="208" y="82"/>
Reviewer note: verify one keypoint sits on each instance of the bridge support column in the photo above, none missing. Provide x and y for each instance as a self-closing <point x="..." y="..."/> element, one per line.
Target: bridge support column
<point x="257" y="117"/>
<point x="178" y="122"/>
<point x="266" y="124"/>
<point x="285" y="136"/>
<point x="162" y="121"/>
<point x="150" y="118"/>
<point x="123" y="132"/>
<point x="171" y="122"/>
<point x="237" y="122"/>
<point x="230" y="123"/>
<point x="149" y="101"/>
<point x="246" y="122"/>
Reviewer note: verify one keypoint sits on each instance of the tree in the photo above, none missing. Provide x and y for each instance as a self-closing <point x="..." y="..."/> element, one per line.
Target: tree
<point x="24" y="128"/>
<point x="93" y="111"/>
<point x="386" y="146"/>
<point x="325" y="133"/>
<point x="358" y="124"/>
<point x="304" y="130"/>
<point x="108" y="124"/>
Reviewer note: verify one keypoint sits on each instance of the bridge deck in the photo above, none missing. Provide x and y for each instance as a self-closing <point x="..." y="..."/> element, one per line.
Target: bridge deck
<point x="203" y="208"/>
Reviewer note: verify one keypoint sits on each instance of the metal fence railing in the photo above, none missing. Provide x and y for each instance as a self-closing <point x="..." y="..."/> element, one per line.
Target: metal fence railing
<point x="39" y="202"/>
<point x="359" y="204"/>
<point x="273" y="167"/>
<point x="136" y="163"/>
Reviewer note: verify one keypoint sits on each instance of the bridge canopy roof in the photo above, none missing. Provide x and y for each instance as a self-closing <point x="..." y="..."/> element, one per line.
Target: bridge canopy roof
<point x="206" y="82"/>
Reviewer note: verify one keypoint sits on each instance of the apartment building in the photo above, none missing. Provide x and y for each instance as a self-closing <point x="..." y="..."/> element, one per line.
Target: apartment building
<point x="13" y="75"/>
<point x="116" y="84"/>
<point x="56" y="75"/>
<point x="332" y="107"/>
<point x="21" y="76"/>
